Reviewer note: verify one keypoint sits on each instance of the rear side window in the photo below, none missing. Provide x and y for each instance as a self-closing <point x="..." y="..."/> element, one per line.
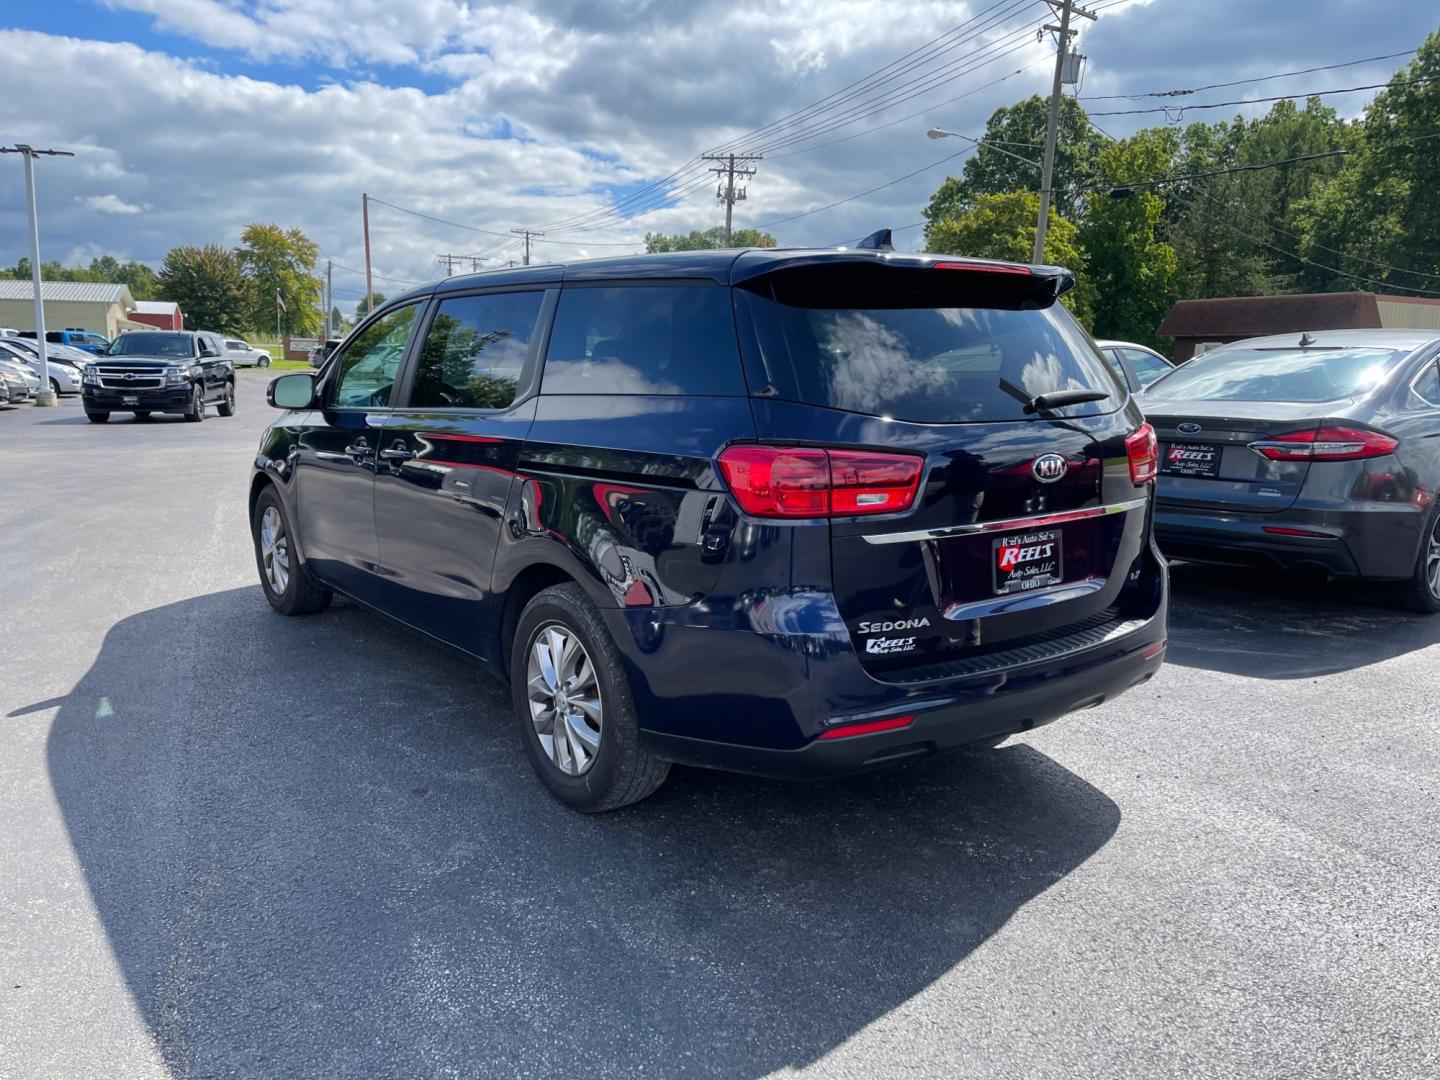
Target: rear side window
<point x="1147" y="367"/>
<point x="1299" y="375"/>
<point x="475" y="350"/>
<point x="1428" y="384"/>
<point x="642" y="339"/>
<point x="923" y="345"/>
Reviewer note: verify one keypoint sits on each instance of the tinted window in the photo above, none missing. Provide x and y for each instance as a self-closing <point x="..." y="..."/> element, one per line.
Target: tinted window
<point x="1148" y="367"/>
<point x="1428" y="384"/>
<point x="901" y="344"/>
<point x="1112" y="361"/>
<point x="475" y="349"/>
<point x="1300" y="375"/>
<point x="371" y="359"/>
<point x="140" y="343"/>
<point x="644" y="340"/>
<point x="237" y="346"/>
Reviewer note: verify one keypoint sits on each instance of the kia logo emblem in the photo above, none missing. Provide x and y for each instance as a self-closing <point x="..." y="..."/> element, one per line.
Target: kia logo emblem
<point x="1048" y="468"/>
<point x="1188" y="428"/>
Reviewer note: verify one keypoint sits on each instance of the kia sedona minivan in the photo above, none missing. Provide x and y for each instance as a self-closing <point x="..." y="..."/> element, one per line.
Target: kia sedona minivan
<point x="789" y="512"/>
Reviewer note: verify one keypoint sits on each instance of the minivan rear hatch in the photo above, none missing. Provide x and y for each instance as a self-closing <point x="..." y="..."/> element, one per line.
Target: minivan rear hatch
<point x="1009" y="536"/>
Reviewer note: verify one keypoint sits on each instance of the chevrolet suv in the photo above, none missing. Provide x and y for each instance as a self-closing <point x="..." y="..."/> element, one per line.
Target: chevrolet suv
<point x="150" y="371"/>
<point x="797" y="513"/>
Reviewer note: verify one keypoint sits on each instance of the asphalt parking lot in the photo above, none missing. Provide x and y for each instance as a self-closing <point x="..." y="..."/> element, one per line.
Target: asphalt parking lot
<point x="233" y="844"/>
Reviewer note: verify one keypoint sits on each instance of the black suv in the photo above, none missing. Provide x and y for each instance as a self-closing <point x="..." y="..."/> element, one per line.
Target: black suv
<point x="788" y="512"/>
<point x="150" y="371"/>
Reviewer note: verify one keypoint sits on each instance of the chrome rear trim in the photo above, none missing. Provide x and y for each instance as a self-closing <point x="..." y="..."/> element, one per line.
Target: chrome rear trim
<point x="1036" y="521"/>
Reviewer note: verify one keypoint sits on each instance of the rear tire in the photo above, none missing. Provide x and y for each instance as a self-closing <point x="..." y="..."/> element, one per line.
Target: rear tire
<point x="227" y="403"/>
<point x="283" y="576"/>
<point x="145" y="415"/>
<point x="1422" y="592"/>
<point x="96" y="417"/>
<point x="195" y="412"/>
<point x="619" y="771"/>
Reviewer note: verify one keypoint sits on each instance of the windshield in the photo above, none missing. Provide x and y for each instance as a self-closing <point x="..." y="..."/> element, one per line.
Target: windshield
<point x="905" y="346"/>
<point x="143" y="344"/>
<point x="1295" y="374"/>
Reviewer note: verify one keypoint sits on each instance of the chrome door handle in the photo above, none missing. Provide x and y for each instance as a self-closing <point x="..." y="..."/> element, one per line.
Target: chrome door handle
<point x="359" y="448"/>
<point x="397" y="453"/>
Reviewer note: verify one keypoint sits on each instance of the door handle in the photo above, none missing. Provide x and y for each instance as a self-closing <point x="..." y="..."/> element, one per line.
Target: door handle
<point x="398" y="452"/>
<point x="359" y="448"/>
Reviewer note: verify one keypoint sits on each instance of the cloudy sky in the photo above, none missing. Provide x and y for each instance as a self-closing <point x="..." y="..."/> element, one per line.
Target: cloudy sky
<point x="190" y="118"/>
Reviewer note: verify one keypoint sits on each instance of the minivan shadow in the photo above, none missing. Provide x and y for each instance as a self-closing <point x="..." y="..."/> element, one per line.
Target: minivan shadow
<point x="317" y="849"/>
<point x="1275" y="626"/>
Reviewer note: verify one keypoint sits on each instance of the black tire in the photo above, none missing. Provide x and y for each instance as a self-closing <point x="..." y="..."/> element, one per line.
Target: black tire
<point x="622" y="772"/>
<point x="264" y="361"/>
<point x="227" y="403"/>
<point x="195" y="411"/>
<point x="301" y="595"/>
<point x="55" y="387"/>
<point x="96" y="417"/>
<point x="1422" y="592"/>
<point x="142" y="414"/>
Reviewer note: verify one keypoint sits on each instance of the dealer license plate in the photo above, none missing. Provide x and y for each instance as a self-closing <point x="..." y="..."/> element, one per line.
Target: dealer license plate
<point x="129" y="399"/>
<point x="1191" y="459"/>
<point x="1028" y="560"/>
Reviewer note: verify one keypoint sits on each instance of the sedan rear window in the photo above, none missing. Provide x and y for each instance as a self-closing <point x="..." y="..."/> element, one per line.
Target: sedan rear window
<point x="924" y="346"/>
<point x="1296" y="374"/>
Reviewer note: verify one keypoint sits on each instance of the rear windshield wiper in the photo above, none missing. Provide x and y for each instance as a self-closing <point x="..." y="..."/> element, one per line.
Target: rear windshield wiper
<point x="1058" y="399"/>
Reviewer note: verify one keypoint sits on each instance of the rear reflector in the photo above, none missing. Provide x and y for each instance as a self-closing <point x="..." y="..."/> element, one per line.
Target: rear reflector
<point x="1151" y="651"/>
<point x="1281" y="530"/>
<point x="1325" y="444"/>
<point x="803" y="482"/>
<point x="985" y="268"/>
<point x="1144" y="454"/>
<point x="894" y="723"/>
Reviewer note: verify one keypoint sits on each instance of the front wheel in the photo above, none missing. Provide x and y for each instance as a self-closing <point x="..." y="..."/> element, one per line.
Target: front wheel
<point x="1422" y="592"/>
<point x="227" y="404"/>
<point x="286" y="583"/>
<point x="96" y="417"/>
<point x="195" y="411"/>
<point x="573" y="704"/>
<point x="55" y="387"/>
<point x="264" y="361"/>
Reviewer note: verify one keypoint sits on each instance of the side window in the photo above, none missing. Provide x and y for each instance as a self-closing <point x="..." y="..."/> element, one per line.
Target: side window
<point x="1428" y="384"/>
<point x="642" y="339"/>
<point x="1147" y="367"/>
<point x="1112" y="361"/>
<point x="370" y="361"/>
<point x="474" y="351"/>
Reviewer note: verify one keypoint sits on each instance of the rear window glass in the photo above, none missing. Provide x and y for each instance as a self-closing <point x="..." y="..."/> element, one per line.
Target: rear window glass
<point x="1300" y="375"/>
<point x="640" y="339"/>
<point x="907" y="345"/>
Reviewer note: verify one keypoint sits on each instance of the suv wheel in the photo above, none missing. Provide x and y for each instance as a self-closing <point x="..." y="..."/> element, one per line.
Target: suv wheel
<point x="227" y="403"/>
<point x="96" y="417"/>
<point x="195" y="412"/>
<point x="573" y="704"/>
<point x="1422" y="592"/>
<point x="286" y="583"/>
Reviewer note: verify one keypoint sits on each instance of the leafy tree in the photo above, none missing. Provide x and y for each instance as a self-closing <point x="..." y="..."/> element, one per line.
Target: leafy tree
<point x="336" y="318"/>
<point x="281" y="261"/>
<point x="1003" y="227"/>
<point x="1012" y="161"/>
<point x="697" y="239"/>
<point x="362" y="309"/>
<point x="210" y="286"/>
<point x="1133" y="270"/>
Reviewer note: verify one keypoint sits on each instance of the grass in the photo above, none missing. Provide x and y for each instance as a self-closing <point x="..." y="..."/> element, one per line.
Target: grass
<point x="276" y="364"/>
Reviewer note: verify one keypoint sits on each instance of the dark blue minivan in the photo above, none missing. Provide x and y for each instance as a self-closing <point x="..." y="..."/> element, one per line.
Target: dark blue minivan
<point x="791" y="512"/>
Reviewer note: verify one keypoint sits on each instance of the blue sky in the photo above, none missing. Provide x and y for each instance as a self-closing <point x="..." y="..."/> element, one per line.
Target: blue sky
<point x="191" y="118"/>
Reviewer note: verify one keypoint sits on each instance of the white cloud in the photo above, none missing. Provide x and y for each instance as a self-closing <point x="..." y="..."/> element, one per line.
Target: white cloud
<point x="109" y="204"/>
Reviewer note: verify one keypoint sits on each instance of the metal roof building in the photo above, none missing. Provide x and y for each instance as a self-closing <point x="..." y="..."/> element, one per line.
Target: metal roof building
<point x="69" y="305"/>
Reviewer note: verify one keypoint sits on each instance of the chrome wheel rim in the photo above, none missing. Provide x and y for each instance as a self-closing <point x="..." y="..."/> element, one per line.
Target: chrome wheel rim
<point x="564" y="696"/>
<point x="230" y="397"/>
<point x="274" y="550"/>
<point x="1432" y="560"/>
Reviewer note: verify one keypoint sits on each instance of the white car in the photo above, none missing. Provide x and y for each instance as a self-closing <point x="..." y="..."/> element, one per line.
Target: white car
<point x="17" y="374"/>
<point x="243" y="354"/>
<point x="64" y="370"/>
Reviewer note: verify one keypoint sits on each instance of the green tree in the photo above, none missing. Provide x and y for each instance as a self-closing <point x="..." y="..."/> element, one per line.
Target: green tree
<point x="697" y="240"/>
<point x="210" y="286"/>
<point x="1012" y="161"/>
<point x="1133" y="270"/>
<point x="362" y="309"/>
<point x="336" y="319"/>
<point x="1003" y="227"/>
<point x="281" y="262"/>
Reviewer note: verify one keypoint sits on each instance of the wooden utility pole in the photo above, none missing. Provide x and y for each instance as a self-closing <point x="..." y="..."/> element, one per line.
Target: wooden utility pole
<point x="727" y="192"/>
<point x="1066" y="8"/>
<point x="365" y="217"/>
<point x="527" y="234"/>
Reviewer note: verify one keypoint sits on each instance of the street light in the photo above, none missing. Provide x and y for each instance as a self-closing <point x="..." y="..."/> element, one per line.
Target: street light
<point x="46" y="396"/>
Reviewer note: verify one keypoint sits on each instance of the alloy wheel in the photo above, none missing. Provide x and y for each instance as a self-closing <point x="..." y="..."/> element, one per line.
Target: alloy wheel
<point x="565" y="703"/>
<point x="1432" y="560"/>
<point x="274" y="550"/>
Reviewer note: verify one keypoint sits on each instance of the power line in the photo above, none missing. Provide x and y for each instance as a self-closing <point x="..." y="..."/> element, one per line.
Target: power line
<point x="382" y="277"/>
<point x="1242" y="82"/>
<point x="1177" y="112"/>
<point x="871" y="191"/>
<point x="438" y="221"/>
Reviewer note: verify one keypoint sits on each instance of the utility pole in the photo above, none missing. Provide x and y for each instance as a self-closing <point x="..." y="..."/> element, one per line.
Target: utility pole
<point x="450" y="261"/>
<point x="527" y="234"/>
<point x="329" y="298"/>
<point x="44" y="396"/>
<point x="365" y="217"/>
<point x="1066" y="8"/>
<point x="728" y="193"/>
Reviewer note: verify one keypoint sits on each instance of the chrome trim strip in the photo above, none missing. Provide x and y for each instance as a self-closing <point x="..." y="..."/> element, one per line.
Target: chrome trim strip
<point x="1008" y="525"/>
<point x="1025" y="601"/>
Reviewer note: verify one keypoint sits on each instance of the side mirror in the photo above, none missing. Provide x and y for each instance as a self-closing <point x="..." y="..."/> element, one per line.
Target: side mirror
<point x="293" y="391"/>
<point x="207" y="352"/>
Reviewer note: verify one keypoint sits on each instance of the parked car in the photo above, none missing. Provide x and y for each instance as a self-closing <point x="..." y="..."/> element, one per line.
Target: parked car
<point x="23" y="386"/>
<point x="86" y="340"/>
<point x="321" y="353"/>
<point x="1136" y="364"/>
<point x="64" y="374"/>
<point x="798" y="513"/>
<point x="243" y="354"/>
<point x="150" y="371"/>
<point x="4" y="392"/>
<point x="7" y="331"/>
<point x="1317" y="452"/>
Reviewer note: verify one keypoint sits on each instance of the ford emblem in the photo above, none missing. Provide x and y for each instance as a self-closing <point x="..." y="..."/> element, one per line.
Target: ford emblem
<point x="1188" y="428"/>
<point x="1048" y="468"/>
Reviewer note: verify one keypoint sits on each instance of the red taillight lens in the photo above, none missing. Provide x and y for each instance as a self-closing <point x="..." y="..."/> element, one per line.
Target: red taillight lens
<point x="1326" y="444"/>
<point x="848" y="731"/>
<point x="800" y="482"/>
<point x="985" y="268"/>
<point x="1144" y="454"/>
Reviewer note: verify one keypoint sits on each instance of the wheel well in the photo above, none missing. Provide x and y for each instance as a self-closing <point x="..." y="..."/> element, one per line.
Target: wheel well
<point x="531" y="580"/>
<point x="259" y="484"/>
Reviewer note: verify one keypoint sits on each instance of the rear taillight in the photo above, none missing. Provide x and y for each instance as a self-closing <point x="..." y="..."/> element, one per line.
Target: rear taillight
<point x="985" y="268"/>
<point x="802" y="482"/>
<point x="1325" y="444"/>
<point x="1144" y="454"/>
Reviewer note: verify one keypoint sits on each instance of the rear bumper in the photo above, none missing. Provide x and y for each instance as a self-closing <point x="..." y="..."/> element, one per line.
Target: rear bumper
<point x="161" y="399"/>
<point x="1377" y="541"/>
